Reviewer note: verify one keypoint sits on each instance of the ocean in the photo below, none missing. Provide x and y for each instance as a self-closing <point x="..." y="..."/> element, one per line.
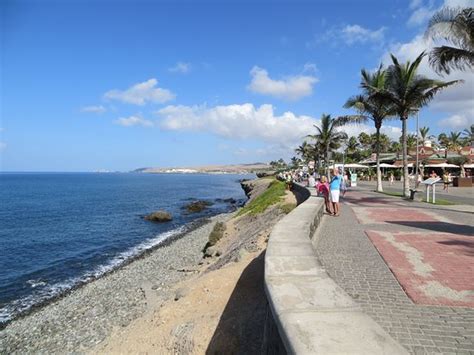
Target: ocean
<point x="60" y="230"/>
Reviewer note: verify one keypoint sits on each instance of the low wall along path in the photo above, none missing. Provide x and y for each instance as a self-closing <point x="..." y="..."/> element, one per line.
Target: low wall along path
<point x="312" y="313"/>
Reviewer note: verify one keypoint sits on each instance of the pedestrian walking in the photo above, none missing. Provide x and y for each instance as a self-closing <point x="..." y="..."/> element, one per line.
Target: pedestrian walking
<point x="391" y="178"/>
<point x="343" y="185"/>
<point x="446" y="181"/>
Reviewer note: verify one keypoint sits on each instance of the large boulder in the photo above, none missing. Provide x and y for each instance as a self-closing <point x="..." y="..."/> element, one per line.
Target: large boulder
<point x="159" y="216"/>
<point x="197" y="206"/>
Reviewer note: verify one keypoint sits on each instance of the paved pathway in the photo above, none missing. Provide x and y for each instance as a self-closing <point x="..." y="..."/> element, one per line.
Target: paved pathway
<point x="461" y="195"/>
<point x="381" y="246"/>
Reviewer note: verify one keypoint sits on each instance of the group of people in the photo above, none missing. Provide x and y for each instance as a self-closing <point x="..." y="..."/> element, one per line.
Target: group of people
<point x="331" y="191"/>
<point x="447" y="179"/>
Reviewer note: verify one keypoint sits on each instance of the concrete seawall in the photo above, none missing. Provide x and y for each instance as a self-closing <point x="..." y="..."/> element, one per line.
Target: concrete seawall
<point x="309" y="313"/>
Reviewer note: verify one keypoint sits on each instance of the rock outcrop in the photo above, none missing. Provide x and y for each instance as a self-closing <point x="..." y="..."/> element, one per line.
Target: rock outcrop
<point x="197" y="206"/>
<point x="159" y="216"/>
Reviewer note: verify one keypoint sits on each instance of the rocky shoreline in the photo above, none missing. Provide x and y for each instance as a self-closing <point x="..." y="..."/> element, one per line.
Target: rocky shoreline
<point x="87" y="315"/>
<point x="102" y="316"/>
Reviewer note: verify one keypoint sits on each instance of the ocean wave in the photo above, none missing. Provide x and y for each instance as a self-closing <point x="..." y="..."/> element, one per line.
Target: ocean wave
<point x="44" y="292"/>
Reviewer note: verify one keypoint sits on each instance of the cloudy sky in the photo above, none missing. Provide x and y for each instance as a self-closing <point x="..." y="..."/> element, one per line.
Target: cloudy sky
<point x="119" y="85"/>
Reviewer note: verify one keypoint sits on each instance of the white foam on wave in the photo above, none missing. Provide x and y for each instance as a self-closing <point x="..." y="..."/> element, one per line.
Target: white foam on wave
<point x="36" y="283"/>
<point x="48" y="292"/>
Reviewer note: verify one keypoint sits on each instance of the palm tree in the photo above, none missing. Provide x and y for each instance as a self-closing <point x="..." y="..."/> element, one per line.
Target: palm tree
<point x="304" y="150"/>
<point x="352" y="145"/>
<point x="451" y="142"/>
<point x="295" y="162"/>
<point x="424" y="135"/>
<point x="468" y="134"/>
<point x="411" y="141"/>
<point x="374" y="107"/>
<point x="395" y="147"/>
<point x="454" y="142"/>
<point x="409" y="91"/>
<point x="456" y="26"/>
<point x="364" y="140"/>
<point x="329" y="137"/>
<point x="383" y="140"/>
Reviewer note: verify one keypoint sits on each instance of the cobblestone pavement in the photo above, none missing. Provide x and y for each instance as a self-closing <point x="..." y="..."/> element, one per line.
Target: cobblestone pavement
<point x="354" y="263"/>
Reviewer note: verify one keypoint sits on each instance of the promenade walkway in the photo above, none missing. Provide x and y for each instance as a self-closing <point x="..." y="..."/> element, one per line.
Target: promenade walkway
<point x="458" y="195"/>
<point x="409" y="265"/>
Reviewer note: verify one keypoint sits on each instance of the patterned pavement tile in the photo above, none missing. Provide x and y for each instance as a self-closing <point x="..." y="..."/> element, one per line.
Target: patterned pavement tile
<point x="433" y="268"/>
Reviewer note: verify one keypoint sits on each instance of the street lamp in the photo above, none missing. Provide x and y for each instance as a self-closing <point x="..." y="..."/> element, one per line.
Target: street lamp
<point x="417" y="140"/>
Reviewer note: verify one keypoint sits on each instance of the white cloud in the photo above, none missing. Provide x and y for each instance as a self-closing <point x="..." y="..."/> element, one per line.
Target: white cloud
<point x="181" y="67"/>
<point x="415" y="4"/>
<point x="239" y="122"/>
<point x="94" y="109"/>
<point x="420" y="16"/>
<point x="393" y="132"/>
<point x="458" y="3"/>
<point x="357" y="34"/>
<point x="291" y="88"/>
<point x="456" y="122"/>
<point x="141" y="93"/>
<point x="349" y="35"/>
<point x="246" y="121"/>
<point x="133" y="121"/>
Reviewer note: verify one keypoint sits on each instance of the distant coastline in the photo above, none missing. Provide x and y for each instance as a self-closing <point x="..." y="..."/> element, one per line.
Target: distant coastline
<point x="209" y="169"/>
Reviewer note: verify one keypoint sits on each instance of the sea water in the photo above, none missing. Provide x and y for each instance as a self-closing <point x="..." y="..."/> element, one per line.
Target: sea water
<point x="60" y="230"/>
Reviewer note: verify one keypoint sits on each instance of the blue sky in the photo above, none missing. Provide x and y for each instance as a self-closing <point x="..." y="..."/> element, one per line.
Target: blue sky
<point x="119" y="85"/>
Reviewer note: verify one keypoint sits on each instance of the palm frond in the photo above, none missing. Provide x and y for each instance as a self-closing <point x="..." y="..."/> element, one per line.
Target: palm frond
<point x="445" y="59"/>
<point x="455" y="26"/>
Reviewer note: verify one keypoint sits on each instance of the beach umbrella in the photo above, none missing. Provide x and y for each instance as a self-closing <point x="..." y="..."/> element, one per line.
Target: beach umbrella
<point x="355" y="166"/>
<point x="410" y="165"/>
<point x="385" y="165"/>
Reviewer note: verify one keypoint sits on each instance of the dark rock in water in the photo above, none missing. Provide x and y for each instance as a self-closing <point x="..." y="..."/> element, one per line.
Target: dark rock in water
<point x="261" y="174"/>
<point x="230" y="200"/>
<point x="197" y="206"/>
<point x="159" y="216"/>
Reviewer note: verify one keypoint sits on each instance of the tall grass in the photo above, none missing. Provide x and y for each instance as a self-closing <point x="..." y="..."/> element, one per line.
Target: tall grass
<point x="271" y="196"/>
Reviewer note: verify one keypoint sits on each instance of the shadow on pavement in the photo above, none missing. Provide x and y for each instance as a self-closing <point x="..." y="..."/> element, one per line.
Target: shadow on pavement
<point x="441" y="227"/>
<point x="241" y="326"/>
<point x="467" y="247"/>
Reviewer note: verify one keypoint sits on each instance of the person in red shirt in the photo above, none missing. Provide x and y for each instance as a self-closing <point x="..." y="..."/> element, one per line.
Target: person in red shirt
<point x="323" y="190"/>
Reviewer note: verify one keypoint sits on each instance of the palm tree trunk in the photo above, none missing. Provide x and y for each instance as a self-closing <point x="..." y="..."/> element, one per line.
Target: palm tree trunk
<point x="377" y="158"/>
<point x="406" y="182"/>
<point x="327" y="161"/>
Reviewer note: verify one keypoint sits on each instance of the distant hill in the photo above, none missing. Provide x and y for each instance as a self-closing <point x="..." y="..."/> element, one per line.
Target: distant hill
<point x="209" y="169"/>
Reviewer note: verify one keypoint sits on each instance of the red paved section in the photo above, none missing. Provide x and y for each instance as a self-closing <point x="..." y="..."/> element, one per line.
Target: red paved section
<point x="371" y="215"/>
<point x="356" y="198"/>
<point x="433" y="268"/>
